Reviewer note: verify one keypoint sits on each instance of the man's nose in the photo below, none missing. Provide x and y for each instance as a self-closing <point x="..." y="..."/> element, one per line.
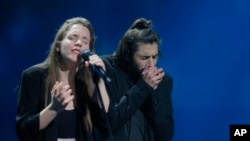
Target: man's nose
<point x="151" y="62"/>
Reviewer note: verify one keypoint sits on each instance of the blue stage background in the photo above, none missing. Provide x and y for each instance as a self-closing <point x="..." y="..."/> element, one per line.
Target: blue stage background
<point x="206" y="49"/>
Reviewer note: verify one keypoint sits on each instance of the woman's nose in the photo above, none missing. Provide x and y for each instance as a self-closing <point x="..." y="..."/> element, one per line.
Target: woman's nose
<point x="79" y="42"/>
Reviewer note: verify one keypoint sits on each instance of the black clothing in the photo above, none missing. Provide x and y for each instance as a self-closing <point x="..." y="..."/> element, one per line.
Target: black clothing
<point x="31" y="102"/>
<point x="66" y="124"/>
<point x="137" y="112"/>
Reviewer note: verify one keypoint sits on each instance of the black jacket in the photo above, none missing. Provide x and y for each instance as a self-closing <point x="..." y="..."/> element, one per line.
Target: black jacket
<point x="137" y="112"/>
<point x="31" y="102"/>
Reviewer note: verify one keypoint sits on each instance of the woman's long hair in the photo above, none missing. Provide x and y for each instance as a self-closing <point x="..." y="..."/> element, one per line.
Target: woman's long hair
<point x="52" y="63"/>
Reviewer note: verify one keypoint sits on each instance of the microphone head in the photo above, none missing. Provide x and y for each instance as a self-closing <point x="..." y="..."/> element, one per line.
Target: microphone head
<point x="85" y="53"/>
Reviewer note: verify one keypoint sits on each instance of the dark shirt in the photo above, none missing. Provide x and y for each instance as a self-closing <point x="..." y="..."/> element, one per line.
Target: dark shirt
<point x="66" y="124"/>
<point x="31" y="102"/>
<point x="138" y="112"/>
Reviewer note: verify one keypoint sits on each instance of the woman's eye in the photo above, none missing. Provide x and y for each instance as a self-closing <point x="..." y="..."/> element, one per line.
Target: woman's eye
<point x="73" y="37"/>
<point x="85" y="42"/>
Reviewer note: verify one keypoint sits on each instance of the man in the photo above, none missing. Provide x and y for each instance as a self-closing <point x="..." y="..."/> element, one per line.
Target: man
<point x="140" y="93"/>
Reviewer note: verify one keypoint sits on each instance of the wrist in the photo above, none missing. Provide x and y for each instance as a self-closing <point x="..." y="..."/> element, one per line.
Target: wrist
<point x="55" y="108"/>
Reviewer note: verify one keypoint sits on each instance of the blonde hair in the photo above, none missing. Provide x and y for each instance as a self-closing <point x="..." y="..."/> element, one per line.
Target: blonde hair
<point x="52" y="62"/>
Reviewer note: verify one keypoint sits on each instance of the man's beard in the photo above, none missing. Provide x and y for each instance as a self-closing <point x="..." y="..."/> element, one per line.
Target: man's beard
<point x="135" y="72"/>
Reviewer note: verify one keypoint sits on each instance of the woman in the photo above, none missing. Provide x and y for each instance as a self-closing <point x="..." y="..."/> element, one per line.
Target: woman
<point x="55" y="96"/>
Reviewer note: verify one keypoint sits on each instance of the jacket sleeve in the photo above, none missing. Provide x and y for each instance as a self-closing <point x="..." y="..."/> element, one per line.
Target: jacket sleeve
<point x="128" y="104"/>
<point x="124" y="102"/>
<point x="27" y="116"/>
<point x="158" y="110"/>
<point x="99" y="120"/>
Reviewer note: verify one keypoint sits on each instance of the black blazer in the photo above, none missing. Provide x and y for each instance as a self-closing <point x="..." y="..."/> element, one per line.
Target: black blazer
<point x="129" y="99"/>
<point x="31" y="103"/>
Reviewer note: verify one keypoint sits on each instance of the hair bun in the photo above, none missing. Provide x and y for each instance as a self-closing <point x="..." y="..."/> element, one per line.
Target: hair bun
<point x="141" y="23"/>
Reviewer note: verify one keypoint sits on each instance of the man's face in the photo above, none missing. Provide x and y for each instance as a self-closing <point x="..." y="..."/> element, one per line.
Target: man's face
<point x="146" y="55"/>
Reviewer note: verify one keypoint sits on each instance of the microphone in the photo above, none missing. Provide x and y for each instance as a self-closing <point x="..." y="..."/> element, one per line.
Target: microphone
<point x="96" y="69"/>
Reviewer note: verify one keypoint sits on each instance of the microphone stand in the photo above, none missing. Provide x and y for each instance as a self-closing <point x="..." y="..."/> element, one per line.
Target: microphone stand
<point x="95" y="79"/>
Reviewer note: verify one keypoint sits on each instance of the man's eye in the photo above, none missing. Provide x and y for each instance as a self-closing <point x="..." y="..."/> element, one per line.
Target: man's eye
<point x="144" y="58"/>
<point x="155" y="57"/>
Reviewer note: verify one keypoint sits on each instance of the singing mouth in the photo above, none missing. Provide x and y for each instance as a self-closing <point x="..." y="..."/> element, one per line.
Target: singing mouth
<point x="77" y="51"/>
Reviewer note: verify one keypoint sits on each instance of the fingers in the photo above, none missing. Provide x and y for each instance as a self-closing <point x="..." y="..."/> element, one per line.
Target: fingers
<point x="153" y="76"/>
<point x="154" y="72"/>
<point x="55" y="89"/>
<point x="68" y="100"/>
<point x="86" y="64"/>
<point x="97" y="61"/>
<point x="62" y="93"/>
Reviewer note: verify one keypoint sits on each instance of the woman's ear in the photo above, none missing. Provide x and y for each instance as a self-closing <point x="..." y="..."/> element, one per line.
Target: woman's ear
<point x="57" y="46"/>
<point x="57" y="49"/>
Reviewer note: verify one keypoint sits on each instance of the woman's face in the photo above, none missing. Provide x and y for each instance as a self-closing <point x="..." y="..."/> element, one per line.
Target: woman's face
<point x="76" y="39"/>
<point x="146" y="55"/>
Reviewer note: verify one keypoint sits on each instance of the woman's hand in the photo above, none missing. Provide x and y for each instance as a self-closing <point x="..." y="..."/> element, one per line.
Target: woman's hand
<point x="61" y="96"/>
<point x="95" y="60"/>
